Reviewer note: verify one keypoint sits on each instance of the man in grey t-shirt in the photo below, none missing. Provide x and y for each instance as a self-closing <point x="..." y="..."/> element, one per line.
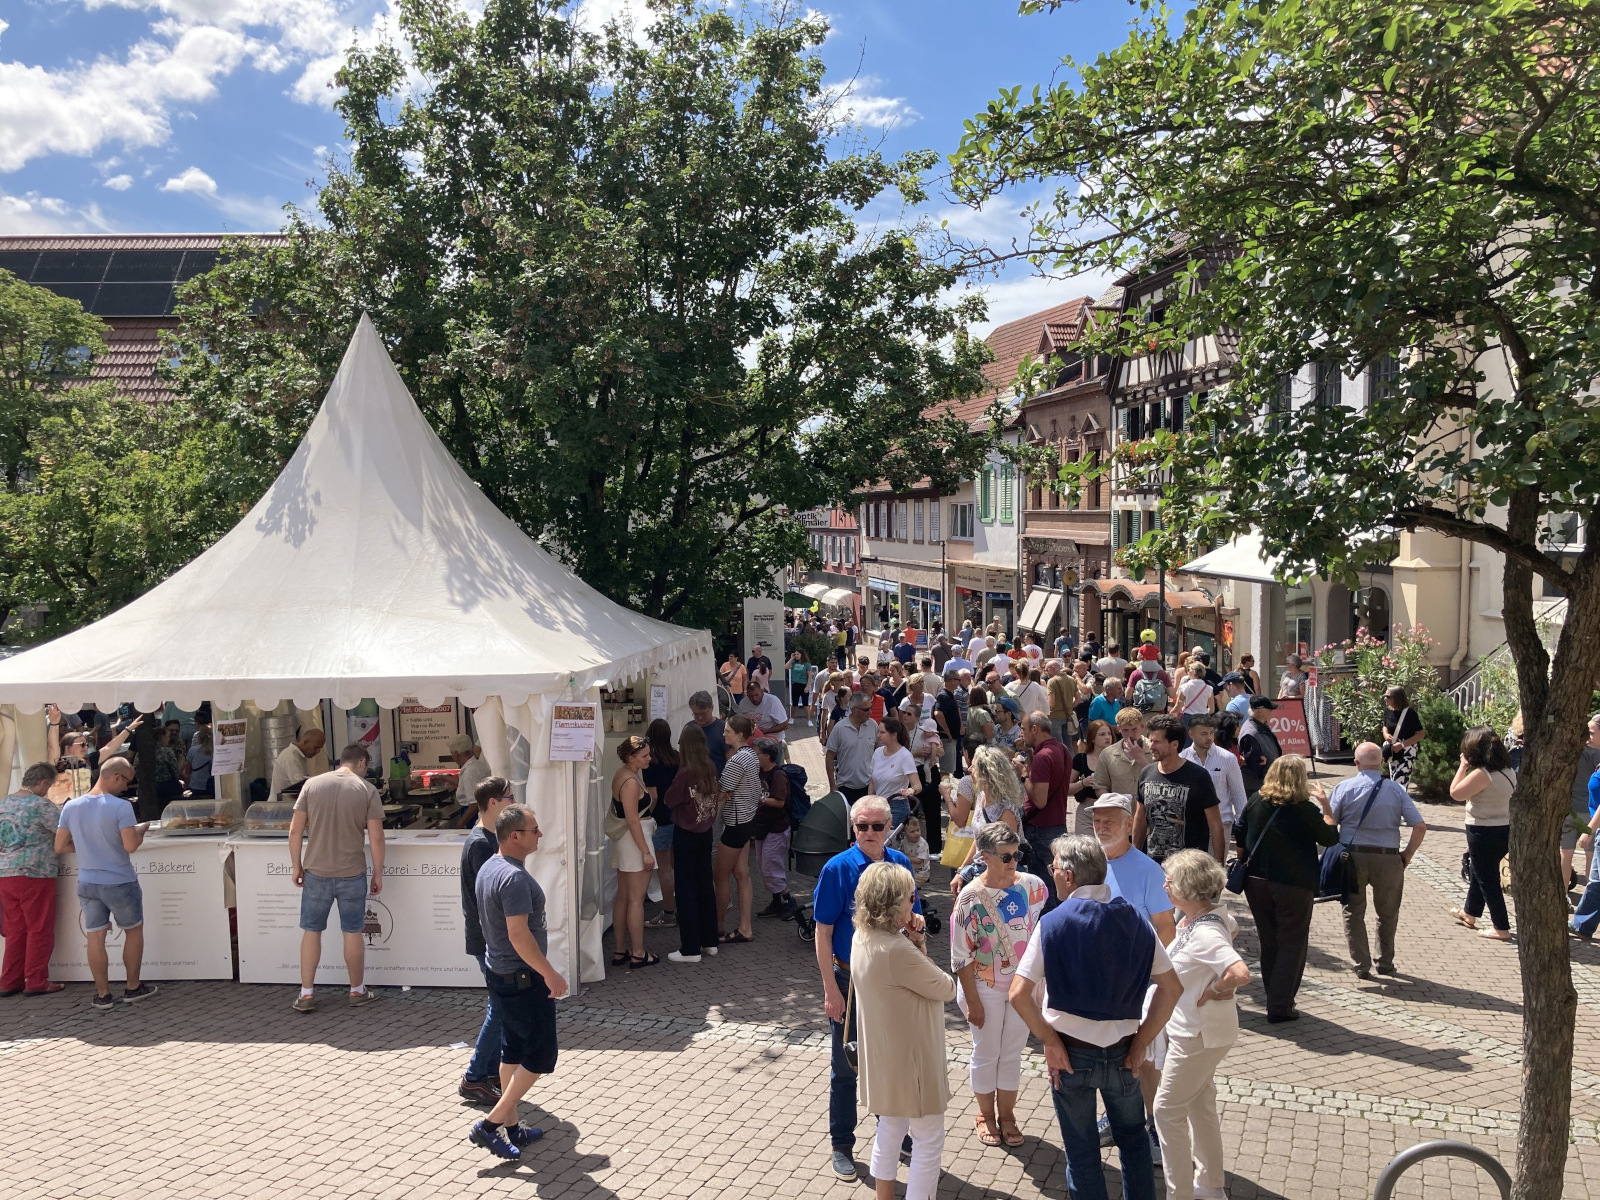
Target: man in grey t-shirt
<point x="525" y="985"/>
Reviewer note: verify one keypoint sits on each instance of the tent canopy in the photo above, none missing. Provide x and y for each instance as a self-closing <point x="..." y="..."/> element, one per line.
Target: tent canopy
<point x="1241" y="559"/>
<point x="373" y="566"/>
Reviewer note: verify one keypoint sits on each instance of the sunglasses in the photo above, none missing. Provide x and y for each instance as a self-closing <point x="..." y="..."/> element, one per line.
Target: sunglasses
<point x="875" y="826"/>
<point x="1006" y="858"/>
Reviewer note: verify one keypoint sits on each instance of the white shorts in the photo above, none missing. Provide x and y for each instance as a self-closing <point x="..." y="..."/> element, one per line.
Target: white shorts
<point x="626" y="856"/>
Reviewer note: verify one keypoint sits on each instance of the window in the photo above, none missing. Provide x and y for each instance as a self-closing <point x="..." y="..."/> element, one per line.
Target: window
<point x="1326" y="394"/>
<point x="1008" y="494"/>
<point x="883" y="519"/>
<point x="1095" y="483"/>
<point x="1383" y="380"/>
<point x="1126" y="527"/>
<point x="933" y="520"/>
<point x="833" y="548"/>
<point x="1178" y="405"/>
<point x="901" y="520"/>
<point x="849" y="552"/>
<point x="1279" y="402"/>
<point x="986" y="495"/>
<point x="962" y="522"/>
<point x="917" y="535"/>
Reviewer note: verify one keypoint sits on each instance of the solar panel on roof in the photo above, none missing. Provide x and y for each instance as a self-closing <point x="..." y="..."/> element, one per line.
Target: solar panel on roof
<point x="83" y="293"/>
<point x="19" y="262"/>
<point x="71" y="266"/>
<point x="133" y="300"/>
<point x="144" y="266"/>
<point x="197" y="262"/>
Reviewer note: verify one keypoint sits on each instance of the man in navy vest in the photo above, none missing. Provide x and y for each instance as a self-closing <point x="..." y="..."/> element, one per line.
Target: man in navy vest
<point x="1097" y="957"/>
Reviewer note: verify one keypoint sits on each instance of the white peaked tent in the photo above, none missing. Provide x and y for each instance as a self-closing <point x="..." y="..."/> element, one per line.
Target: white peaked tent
<point x="374" y="567"/>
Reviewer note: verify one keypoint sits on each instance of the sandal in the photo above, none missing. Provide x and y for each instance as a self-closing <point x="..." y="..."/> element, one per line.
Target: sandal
<point x="620" y="957"/>
<point x="648" y="960"/>
<point x="1495" y="935"/>
<point x="987" y="1133"/>
<point x="1461" y="918"/>
<point x="734" y="938"/>
<point x="1012" y="1132"/>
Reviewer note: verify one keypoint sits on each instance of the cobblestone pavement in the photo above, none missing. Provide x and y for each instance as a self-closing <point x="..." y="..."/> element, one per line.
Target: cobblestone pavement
<point x="710" y="1081"/>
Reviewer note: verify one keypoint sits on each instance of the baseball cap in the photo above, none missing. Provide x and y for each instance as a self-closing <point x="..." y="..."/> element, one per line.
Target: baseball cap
<point x="1263" y="702"/>
<point x="1011" y="706"/>
<point x="1114" y="800"/>
<point x="1233" y="677"/>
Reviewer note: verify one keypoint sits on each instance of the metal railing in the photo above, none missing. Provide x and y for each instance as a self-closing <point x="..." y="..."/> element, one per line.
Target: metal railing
<point x="1472" y="688"/>
<point x="1406" y="1159"/>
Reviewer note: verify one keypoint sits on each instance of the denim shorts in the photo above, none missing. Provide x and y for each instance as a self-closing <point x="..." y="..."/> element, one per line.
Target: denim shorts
<point x="101" y="902"/>
<point x="319" y="894"/>
<point x="662" y="839"/>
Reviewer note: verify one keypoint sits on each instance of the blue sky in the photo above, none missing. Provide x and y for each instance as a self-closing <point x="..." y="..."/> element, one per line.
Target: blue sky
<point x="189" y="115"/>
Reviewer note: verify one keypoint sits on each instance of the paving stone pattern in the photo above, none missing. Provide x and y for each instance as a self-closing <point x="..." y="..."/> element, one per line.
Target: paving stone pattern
<point x="711" y="1081"/>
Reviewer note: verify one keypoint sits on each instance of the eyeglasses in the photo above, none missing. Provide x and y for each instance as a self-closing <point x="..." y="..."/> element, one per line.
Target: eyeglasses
<point x="1006" y="858"/>
<point x="875" y="826"/>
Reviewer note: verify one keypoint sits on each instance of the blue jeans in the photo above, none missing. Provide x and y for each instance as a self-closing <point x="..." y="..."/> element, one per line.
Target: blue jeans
<point x="1587" y="918"/>
<point x="1101" y="1070"/>
<point x="321" y="893"/>
<point x="485" y="1062"/>
<point x="899" y="810"/>
<point x="841" y="1079"/>
<point x="124" y="901"/>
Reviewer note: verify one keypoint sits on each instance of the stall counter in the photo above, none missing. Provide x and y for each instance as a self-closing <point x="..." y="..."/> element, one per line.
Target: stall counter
<point x="413" y="932"/>
<point x="185" y="914"/>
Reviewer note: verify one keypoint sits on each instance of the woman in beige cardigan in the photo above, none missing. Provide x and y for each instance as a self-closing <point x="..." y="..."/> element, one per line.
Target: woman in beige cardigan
<point x="900" y="997"/>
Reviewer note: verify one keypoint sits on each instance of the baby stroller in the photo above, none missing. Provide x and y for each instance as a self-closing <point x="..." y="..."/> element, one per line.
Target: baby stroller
<point x="822" y="833"/>
<point x="930" y="915"/>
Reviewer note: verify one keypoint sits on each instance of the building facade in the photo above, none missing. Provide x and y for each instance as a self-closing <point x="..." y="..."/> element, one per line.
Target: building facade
<point x="834" y="539"/>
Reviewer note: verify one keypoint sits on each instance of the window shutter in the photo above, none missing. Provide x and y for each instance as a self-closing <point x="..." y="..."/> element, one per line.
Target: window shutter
<point x="1134" y="532"/>
<point x="1116" y="531"/>
<point x="933" y="520"/>
<point x="986" y="494"/>
<point x="1008" y="494"/>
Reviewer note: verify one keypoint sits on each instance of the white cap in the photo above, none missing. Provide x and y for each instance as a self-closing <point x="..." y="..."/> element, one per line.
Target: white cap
<point x="462" y="743"/>
<point x="1114" y="800"/>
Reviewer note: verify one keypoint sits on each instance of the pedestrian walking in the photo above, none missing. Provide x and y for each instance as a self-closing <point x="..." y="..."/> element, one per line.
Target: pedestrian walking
<point x="99" y="827"/>
<point x="1085" y="788"/>
<point x="1177" y="800"/>
<point x="1578" y="819"/>
<point x="1044" y="808"/>
<point x="1369" y="811"/>
<point x="1097" y="958"/>
<point x="894" y="769"/>
<point x="29" y="868"/>
<point x="1223" y="767"/>
<point x="1258" y="745"/>
<point x="694" y="798"/>
<point x="1280" y="835"/>
<point x="1204" y="1027"/>
<point x="332" y="814"/>
<point x="994" y="920"/>
<point x="732" y="675"/>
<point x="833" y="907"/>
<point x="900" y="996"/>
<point x="511" y="905"/>
<point x="1484" y="782"/>
<point x="658" y="777"/>
<point x="481" y="1083"/>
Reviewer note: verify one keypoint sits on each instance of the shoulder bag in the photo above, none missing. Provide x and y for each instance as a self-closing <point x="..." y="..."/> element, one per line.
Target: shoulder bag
<point x="1336" y="877"/>
<point x="1240" y="871"/>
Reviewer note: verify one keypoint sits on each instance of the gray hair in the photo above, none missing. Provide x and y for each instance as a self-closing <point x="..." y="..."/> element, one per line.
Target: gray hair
<point x="869" y="803"/>
<point x="1038" y="720"/>
<point x="1082" y="856"/>
<point x="769" y="747"/>
<point x="700" y="700"/>
<point x="995" y="836"/>
<point x="1195" y="875"/>
<point x="860" y="700"/>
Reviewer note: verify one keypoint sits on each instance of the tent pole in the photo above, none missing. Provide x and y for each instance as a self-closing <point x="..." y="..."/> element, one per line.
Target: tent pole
<point x="574" y="918"/>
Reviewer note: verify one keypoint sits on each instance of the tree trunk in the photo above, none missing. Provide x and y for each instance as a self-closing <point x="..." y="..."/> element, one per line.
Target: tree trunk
<point x="1555" y="715"/>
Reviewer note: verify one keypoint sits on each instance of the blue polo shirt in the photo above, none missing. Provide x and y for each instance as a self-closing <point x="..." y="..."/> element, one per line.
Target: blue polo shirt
<point x="1240" y="704"/>
<point x="834" y="901"/>
<point x="1139" y="880"/>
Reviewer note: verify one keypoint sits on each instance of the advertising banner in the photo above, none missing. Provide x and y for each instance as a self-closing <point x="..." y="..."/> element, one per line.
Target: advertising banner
<point x="1289" y="723"/>
<point x="227" y="747"/>
<point x="574" y="730"/>
<point x="763" y="628"/>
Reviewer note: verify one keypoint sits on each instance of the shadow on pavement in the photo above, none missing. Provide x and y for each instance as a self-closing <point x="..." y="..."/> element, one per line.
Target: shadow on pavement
<point x="1319" y="1036"/>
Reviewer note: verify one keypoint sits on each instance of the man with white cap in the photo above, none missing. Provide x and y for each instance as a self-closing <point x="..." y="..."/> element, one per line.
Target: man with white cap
<point x="468" y="755"/>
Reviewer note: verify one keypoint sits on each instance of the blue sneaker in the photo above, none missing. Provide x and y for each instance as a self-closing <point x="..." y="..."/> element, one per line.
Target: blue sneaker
<point x="1104" y="1130"/>
<point x="1155" y="1149"/>
<point x="494" y="1141"/>
<point x="523" y="1135"/>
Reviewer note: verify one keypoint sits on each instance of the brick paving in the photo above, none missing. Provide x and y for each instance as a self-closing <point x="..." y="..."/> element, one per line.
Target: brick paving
<point x="711" y="1081"/>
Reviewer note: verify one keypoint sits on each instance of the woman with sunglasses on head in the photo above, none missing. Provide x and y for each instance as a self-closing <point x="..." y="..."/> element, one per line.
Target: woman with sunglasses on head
<point x="995" y="916"/>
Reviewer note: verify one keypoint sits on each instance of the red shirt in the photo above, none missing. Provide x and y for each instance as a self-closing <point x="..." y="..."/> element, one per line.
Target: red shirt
<point x="1050" y="766"/>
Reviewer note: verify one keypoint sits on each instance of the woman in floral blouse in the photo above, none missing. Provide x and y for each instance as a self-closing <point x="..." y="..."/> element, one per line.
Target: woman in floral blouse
<point x="994" y="918"/>
<point x="28" y="883"/>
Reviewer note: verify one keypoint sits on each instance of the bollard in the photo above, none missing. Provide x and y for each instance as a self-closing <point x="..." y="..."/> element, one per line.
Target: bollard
<point x="1406" y="1159"/>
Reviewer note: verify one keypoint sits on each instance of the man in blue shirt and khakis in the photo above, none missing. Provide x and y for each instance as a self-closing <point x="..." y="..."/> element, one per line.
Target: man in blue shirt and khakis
<point x="834" y="906"/>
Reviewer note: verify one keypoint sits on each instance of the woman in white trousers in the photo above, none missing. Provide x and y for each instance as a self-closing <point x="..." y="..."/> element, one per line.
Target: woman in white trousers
<point x="1202" y="1030"/>
<point x="994" y="918"/>
<point x="900" y="996"/>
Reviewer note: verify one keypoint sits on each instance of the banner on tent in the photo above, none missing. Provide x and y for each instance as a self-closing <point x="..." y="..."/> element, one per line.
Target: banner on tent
<point x="573" y="732"/>
<point x="227" y="747"/>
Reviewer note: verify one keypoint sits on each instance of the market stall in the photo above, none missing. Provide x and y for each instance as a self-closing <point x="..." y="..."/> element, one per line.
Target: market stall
<point x="375" y="574"/>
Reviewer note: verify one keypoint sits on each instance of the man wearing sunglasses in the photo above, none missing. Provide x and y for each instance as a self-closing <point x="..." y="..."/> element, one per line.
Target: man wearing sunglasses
<point x="834" y="906"/>
<point x="481" y="1083"/>
<point x="524" y="984"/>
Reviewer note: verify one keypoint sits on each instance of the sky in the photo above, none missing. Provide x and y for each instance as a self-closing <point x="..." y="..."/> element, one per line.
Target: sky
<point x="206" y="115"/>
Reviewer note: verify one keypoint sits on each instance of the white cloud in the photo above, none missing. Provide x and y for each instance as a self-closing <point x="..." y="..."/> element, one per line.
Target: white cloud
<point x="855" y="102"/>
<point x="119" y="183"/>
<point x="1018" y="295"/>
<point x="79" y="109"/>
<point x="314" y="85"/>
<point x="193" y="180"/>
<point x="33" y="213"/>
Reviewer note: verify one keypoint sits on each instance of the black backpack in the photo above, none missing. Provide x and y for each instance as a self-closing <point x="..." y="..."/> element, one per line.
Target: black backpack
<point x="799" y="798"/>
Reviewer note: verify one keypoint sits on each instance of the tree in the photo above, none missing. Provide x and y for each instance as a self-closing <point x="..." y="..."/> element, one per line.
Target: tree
<point x="626" y="283"/>
<point x="1349" y="183"/>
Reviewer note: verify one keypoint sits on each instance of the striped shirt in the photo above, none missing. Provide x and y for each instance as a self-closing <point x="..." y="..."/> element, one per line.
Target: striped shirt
<point x="741" y="778"/>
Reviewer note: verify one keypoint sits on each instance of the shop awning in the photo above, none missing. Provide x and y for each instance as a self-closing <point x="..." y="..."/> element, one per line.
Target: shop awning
<point x="1040" y="610"/>
<point x="1240" y="559"/>
<point x="815" y="591"/>
<point x="1145" y="595"/>
<point x="838" y="597"/>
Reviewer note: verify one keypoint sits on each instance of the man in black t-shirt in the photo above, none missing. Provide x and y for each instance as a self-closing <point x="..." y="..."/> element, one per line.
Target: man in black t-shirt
<point x="1177" y="807"/>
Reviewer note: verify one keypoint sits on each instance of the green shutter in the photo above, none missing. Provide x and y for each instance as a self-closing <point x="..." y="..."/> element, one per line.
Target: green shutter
<point x="1116" y="530"/>
<point x="1133" y="525"/>
<point x="1008" y="494"/>
<point x="986" y="494"/>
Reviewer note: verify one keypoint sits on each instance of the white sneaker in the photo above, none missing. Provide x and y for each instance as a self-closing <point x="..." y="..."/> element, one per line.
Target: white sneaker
<point x="676" y="956"/>
<point x="708" y="949"/>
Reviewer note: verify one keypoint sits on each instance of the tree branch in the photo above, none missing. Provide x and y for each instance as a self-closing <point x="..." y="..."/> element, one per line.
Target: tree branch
<point x="1514" y="548"/>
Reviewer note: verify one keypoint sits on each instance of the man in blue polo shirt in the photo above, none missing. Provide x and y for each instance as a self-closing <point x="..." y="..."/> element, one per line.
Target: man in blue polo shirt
<point x="834" y="906"/>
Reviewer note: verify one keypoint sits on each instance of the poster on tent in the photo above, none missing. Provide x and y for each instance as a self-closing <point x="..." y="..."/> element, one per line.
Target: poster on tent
<point x="185" y="915"/>
<point x="658" y="702"/>
<point x="411" y="931"/>
<point x="430" y="727"/>
<point x="227" y="747"/>
<point x="574" y="729"/>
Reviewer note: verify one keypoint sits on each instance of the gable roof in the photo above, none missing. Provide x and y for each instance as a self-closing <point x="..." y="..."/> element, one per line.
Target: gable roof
<point x="1009" y="344"/>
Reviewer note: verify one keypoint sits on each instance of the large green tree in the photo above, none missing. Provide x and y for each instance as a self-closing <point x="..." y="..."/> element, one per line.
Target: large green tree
<point x="1347" y="182"/>
<point x="626" y="281"/>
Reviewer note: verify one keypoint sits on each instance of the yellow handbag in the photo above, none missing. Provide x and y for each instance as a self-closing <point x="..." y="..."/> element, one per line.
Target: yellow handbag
<point x="957" y="843"/>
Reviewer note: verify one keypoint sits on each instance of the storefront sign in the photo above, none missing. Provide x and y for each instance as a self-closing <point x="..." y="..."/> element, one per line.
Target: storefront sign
<point x="185" y="915"/>
<point x="411" y="931"/>
<point x="430" y="728"/>
<point x="981" y="579"/>
<point x="573" y="730"/>
<point x="227" y="747"/>
<point x="1288" y="722"/>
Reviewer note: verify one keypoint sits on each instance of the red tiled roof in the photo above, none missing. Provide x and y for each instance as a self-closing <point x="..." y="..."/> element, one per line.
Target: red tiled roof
<point x="131" y="241"/>
<point x="133" y="349"/>
<point x="1009" y="344"/>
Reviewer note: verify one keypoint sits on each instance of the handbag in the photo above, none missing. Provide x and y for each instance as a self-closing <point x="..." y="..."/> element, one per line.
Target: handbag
<point x="1240" y="870"/>
<point x="956" y="844"/>
<point x="851" y="1053"/>
<point x="1337" y="870"/>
